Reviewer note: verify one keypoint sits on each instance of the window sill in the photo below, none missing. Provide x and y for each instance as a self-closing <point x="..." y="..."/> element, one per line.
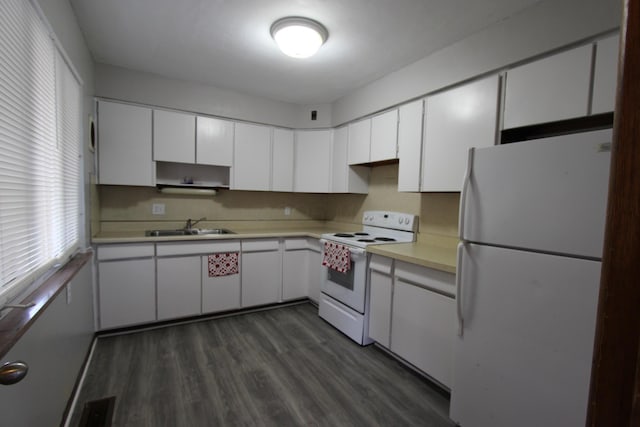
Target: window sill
<point x="15" y="324"/>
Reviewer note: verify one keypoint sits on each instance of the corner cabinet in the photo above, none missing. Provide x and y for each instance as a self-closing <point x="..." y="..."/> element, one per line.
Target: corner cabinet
<point x="344" y="177"/>
<point x="125" y="145"/>
<point x="455" y="121"/>
<point x="251" y="158"/>
<point x="283" y="160"/>
<point x="550" y="89"/>
<point x="312" y="161"/>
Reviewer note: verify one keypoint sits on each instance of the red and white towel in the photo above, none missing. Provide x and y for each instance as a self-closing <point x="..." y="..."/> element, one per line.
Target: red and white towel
<point x="337" y="257"/>
<point x="223" y="264"/>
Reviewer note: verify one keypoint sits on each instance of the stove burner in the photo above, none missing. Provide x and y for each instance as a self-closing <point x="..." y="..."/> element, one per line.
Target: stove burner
<point x="343" y="235"/>
<point x="361" y="234"/>
<point x="366" y="240"/>
<point x="385" y="239"/>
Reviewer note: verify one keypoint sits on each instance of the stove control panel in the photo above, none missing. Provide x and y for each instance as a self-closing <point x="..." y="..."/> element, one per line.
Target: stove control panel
<point x="387" y="219"/>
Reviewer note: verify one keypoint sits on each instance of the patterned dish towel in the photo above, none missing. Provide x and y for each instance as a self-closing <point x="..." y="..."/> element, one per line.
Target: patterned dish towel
<point x="337" y="257"/>
<point x="223" y="264"/>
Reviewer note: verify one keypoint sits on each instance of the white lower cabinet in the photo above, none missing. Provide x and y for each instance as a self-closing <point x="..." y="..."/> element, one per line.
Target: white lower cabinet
<point x="179" y="287"/>
<point x="380" y="299"/>
<point x="295" y="269"/>
<point x="261" y="272"/>
<point x="126" y="287"/>
<point x="219" y="293"/>
<point x="315" y="269"/>
<point x="412" y="312"/>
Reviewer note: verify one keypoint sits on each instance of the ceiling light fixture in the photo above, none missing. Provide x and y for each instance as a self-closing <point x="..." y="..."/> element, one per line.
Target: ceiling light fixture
<point x="299" y="37"/>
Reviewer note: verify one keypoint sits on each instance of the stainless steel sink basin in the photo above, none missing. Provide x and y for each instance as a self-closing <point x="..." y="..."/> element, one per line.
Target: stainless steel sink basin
<point x="184" y="232"/>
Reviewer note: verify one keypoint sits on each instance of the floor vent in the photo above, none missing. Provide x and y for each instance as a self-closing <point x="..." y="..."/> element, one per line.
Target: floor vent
<point x="98" y="413"/>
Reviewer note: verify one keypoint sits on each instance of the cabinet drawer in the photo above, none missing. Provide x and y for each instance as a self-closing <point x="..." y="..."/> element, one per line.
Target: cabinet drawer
<point x="260" y="245"/>
<point x="192" y="248"/>
<point x="295" y="244"/>
<point x="437" y="281"/>
<point x="381" y="264"/>
<point x="107" y="252"/>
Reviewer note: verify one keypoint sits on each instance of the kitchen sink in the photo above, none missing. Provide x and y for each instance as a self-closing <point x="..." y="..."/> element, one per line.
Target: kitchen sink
<point x="185" y="232"/>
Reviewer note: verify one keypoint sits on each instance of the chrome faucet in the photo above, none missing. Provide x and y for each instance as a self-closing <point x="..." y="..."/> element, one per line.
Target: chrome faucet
<point x="190" y="223"/>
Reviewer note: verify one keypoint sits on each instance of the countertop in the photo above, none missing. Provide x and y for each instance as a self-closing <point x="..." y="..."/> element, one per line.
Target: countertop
<point x="438" y="253"/>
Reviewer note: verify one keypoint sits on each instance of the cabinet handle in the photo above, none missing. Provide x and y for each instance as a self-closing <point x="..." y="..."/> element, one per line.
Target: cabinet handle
<point x="13" y="372"/>
<point x="463" y="194"/>
<point x="461" y="247"/>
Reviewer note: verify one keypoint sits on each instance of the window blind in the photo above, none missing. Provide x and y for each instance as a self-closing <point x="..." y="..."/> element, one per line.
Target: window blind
<point x="40" y="131"/>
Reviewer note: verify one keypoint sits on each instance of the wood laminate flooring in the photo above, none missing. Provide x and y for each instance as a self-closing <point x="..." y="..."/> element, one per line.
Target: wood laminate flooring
<point x="279" y="367"/>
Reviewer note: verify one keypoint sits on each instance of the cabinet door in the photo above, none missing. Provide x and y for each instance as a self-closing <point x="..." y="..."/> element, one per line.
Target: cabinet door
<point x="127" y="292"/>
<point x="174" y="137"/>
<point x="282" y="164"/>
<point x="553" y="88"/>
<point x="252" y="157"/>
<point x="456" y="120"/>
<point x="315" y="269"/>
<point x="219" y="293"/>
<point x="261" y="272"/>
<point x="384" y="136"/>
<point x="295" y="273"/>
<point x="423" y="328"/>
<point x="359" y="142"/>
<point x="605" y="78"/>
<point x="124" y="145"/>
<point x="312" y="161"/>
<point x="214" y="141"/>
<point x="380" y="299"/>
<point x="410" y="145"/>
<point x="179" y="287"/>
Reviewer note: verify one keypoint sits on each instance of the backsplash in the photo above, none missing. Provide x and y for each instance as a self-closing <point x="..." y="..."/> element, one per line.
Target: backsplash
<point x="130" y="207"/>
<point x="438" y="212"/>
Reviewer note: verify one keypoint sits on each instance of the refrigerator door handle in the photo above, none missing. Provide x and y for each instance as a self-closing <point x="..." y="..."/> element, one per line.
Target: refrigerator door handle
<point x="461" y="248"/>
<point x="463" y="194"/>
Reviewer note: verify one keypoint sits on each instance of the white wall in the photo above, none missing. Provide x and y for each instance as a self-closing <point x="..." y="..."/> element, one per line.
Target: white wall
<point x="546" y="26"/>
<point x="134" y="86"/>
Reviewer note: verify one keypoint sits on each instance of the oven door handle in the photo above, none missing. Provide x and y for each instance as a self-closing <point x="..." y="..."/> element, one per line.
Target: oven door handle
<point x="354" y="251"/>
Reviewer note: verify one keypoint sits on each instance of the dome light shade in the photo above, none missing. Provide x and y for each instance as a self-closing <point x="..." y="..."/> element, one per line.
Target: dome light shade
<point x="298" y="37"/>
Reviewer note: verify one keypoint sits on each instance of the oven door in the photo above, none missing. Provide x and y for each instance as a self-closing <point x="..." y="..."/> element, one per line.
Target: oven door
<point x="348" y="288"/>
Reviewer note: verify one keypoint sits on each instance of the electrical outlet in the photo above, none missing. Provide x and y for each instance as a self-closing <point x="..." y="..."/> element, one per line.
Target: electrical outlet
<point x="287" y="211"/>
<point x="157" y="209"/>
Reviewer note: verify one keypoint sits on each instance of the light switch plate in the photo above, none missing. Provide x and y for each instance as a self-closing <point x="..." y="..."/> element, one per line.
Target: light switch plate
<point x="157" y="209"/>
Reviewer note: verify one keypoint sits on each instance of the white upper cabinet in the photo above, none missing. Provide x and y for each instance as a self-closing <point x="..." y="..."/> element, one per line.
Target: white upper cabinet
<point x="410" y="145"/>
<point x="214" y="141"/>
<point x="125" y="145"/>
<point x="252" y="158"/>
<point x="605" y="78"/>
<point x="384" y="137"/>
<point x="282" y="164"/>
<point x="359" y="142"/>
<point x="174" y="136"/>
<point x="345" y="178"/>
<point x="312" y="161"/>
<point x="551" y="89"/>
<point x="456" y="120"/>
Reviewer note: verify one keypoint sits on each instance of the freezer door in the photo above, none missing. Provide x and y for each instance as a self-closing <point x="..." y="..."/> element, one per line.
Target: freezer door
<point x="524" y="357"/>
<point x="548" y="194"/>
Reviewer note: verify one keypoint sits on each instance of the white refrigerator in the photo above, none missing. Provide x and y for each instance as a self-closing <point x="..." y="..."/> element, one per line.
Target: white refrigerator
<point x="532" y="218"/>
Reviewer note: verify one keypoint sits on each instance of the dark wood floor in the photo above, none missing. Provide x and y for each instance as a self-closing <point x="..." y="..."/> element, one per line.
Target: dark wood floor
<point x="281" y="367"/>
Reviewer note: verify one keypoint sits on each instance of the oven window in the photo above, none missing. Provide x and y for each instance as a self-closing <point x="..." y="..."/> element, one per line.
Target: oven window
<point x="343" y="279"/>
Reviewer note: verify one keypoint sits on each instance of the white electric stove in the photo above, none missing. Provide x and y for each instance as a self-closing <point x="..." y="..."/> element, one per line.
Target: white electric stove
<point x="344" y="298"/>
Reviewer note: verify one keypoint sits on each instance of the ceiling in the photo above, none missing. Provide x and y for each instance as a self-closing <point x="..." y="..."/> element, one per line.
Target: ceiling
<point x="226" y="43"/>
